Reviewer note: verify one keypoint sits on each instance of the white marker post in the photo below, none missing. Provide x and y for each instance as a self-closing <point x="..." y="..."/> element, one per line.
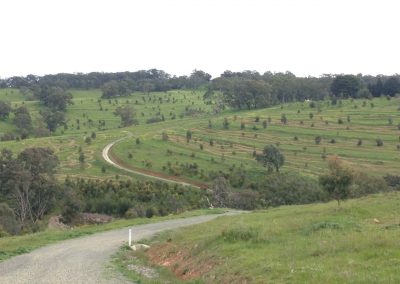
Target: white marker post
<point x="130" y="237"/>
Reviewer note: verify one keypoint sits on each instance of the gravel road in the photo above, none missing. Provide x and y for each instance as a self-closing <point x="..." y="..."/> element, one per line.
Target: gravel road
<point x="82" y="260"/>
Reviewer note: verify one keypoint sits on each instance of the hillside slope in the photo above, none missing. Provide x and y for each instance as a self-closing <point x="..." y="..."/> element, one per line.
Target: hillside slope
<point x="354" y="243"/>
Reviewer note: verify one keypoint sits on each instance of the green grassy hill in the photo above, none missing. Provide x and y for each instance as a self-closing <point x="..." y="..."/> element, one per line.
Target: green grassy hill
<point x="319" y="243"/>
<point x="232" y="148"/>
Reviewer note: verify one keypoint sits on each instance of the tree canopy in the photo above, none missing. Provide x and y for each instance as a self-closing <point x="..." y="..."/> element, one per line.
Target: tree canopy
<point x="345" y="86"/>
<point x="271" y="157"/>
<point x="337" y="181"/>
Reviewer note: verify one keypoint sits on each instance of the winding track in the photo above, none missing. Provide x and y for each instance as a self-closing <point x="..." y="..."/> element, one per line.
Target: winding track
<point x="83" y="260"/>
<point x="107" y="158"/>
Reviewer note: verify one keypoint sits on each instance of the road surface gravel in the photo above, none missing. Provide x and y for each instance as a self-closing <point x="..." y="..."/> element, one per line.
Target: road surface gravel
<point x="85" y="259"/>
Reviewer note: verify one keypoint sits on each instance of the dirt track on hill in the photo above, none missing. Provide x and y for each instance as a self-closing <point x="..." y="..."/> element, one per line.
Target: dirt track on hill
<point x="106" y="157"/>
<point x="82" y="260"/>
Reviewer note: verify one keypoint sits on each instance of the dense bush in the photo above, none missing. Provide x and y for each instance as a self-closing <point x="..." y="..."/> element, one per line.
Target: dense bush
<point x="143" y="199"/>
<point x="154" y="120"/>
<point x="393" y="181"/>
<point x="286" y="189"/>
<point x="364" y="184"/>
<point x="8" y="222"/>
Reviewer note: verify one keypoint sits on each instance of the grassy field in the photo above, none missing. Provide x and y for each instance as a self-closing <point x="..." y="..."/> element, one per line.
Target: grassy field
<point x="15" y="245"/>
<point x="232" y="148"/>
<point x="354" y="243"/>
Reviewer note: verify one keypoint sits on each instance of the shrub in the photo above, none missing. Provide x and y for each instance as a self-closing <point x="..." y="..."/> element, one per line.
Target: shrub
<point x="287" y="189"/>
<point x="264" y="124"/>
<point x="149" y="212"/>
<point x="71" y="207"/>
<point x="392" y="181"/>
<point x="225" y="124"/>
<point x="284" y="118"/>
<point x="8" y="222"/>
<point x="364" y="184"/>
<point x="153" y="120"/>
<point x="379" y="142"/>
<point x="245" y="200"/>
<point x="8" y="137"/>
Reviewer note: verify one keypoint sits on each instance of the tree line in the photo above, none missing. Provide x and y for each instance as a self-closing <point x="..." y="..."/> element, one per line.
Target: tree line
<point x="252" y="90"/>
<point x="142" y="80"/>
<point x="247" y="89"/>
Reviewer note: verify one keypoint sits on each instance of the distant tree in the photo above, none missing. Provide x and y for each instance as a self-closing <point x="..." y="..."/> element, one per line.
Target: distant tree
<point x="188" y="136"/>
<point x="54" y="97"/>
<point x="345" y="86"/>
<point x="198" y="78"/>
<point x="264" y="124"/>
<point x="81" y="157"/>
<point x="271" y="157"/>
<point x="5" y="110"/>
<point x="337" y="181"/>
<point x="318" y="140"/>
<point x="391" y="86"/>
<point x="225" y="124"/>
<point x="53" y="119"/>
<point x="127" y="114"/>
<point x="22" y="118"/>
<point x="376" y="89"/>
<point x="114" y="89"/>
<point x="283" y="118"/>
<point x="379" y="142"/>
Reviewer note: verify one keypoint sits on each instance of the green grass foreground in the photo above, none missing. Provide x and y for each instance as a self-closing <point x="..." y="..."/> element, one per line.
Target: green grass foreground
<point x="320" y="243"/>
<point x="15" y="245"/>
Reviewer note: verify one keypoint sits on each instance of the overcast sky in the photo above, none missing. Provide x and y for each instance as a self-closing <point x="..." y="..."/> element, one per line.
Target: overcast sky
<point x="306" y="37"/>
